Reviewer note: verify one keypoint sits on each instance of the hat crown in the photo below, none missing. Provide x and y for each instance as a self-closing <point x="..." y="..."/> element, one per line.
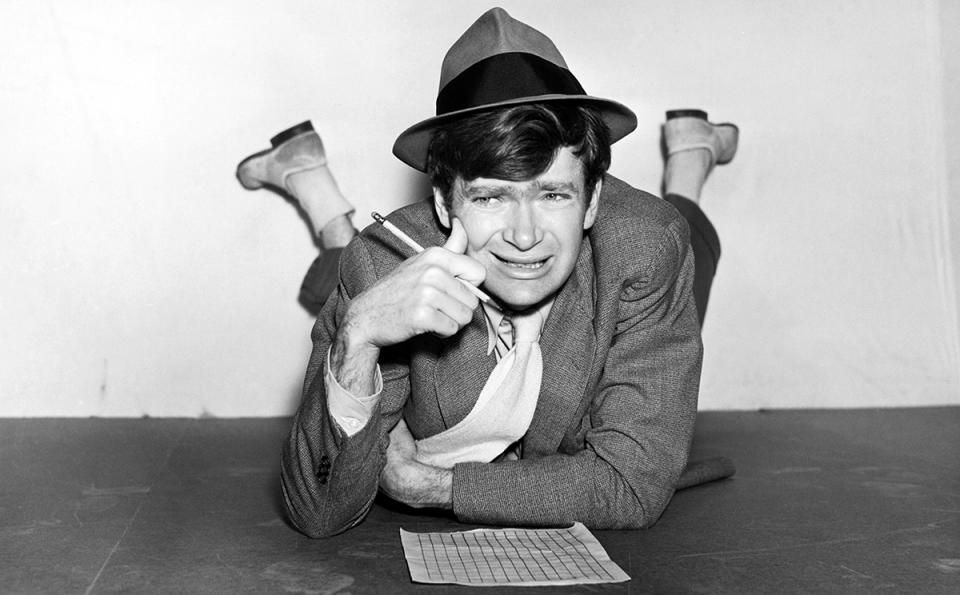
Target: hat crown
<point x="500" y="62"/>
<point x="495" y="33"/>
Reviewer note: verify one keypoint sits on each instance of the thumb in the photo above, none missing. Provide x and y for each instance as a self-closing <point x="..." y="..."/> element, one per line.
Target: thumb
<point x="457" y="242"/>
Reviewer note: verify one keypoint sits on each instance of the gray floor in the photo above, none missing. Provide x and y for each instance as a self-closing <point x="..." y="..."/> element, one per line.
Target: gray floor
<point x="823" y="501"/>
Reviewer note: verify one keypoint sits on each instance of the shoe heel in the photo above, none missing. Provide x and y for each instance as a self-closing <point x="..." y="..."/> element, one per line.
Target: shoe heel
<point x="686" y="113"/>
<point x="301" y="128"/>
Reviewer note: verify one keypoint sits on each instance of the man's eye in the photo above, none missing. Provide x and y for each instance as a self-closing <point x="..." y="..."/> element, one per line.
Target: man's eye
<point x="484" y="200"/>
<point x="554" y="196"/>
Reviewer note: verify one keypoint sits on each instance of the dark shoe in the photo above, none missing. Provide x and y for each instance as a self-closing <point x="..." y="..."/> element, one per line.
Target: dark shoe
<point x="689" y="129"/>
<point x="294" y="150"/>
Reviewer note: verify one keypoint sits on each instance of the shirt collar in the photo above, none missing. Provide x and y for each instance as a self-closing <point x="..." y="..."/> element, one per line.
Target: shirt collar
<point x="493" y="316"/>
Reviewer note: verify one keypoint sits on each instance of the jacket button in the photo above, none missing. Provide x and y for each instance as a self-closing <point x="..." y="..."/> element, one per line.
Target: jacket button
<point x="323" y="469"/>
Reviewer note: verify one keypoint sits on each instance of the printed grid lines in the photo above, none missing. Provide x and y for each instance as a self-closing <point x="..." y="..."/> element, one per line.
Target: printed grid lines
<point x="509" y="556"/>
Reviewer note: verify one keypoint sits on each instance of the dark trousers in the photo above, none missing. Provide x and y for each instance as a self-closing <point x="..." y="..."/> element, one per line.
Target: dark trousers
<point x="321" y="279"/>
<point x="706" y="249"/>
<point x="323" y="275"/>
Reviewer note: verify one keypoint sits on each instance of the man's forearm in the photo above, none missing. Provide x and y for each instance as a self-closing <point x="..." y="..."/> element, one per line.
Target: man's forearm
<point x="407" y="480"/>
<point x="418" y="485"/>
<point x="555" y="490"/>
<point x="436" y="490"/>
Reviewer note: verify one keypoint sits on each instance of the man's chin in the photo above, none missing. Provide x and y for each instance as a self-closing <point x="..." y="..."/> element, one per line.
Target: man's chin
<point x="517" y="301"/>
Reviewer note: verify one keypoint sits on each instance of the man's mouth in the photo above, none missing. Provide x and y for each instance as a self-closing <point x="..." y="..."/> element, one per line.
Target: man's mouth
<point x="525" y="264"/>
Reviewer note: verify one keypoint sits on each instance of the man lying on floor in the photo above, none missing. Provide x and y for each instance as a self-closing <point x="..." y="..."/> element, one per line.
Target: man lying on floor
<point x="571" y="395"/>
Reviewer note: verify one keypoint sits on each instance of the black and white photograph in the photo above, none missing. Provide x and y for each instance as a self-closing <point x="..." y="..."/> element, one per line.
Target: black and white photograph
<point x="619" y="296"/>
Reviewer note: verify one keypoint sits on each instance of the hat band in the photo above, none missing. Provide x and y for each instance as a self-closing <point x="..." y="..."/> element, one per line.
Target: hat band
<point x="505" y="77"/>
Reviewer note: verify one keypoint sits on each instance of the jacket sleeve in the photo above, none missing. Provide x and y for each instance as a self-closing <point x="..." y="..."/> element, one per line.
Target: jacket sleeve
<point x="637" y="430"/>
<point x="329" y="480"/>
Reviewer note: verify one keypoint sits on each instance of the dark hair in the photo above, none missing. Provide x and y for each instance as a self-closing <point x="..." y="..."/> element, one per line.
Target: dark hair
<point x="518" y="143"/>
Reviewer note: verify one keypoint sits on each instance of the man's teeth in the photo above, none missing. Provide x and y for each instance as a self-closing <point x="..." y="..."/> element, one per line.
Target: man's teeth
<point x="524" y="265"/>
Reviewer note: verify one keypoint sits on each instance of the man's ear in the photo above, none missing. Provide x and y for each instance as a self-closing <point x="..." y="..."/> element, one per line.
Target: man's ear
<point x="591" y="215"/>
<point x="440" y="206"/>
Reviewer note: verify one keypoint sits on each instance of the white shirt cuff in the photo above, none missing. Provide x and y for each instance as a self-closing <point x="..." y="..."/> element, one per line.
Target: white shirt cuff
<point x="350" y="412"/>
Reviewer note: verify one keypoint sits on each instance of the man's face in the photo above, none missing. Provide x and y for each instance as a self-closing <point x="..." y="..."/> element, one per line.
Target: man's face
<point x="526" y="234"/>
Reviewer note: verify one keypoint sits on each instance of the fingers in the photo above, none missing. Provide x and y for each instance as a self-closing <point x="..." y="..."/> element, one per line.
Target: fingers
<point x="427" y="293"/>
<point x="448" y="304"/>
<point x="455" y="287"/>
<point x="443" y="308"/>
<point x="457" y="242"/>
<point x="421" y="296"/>
<point x="455" y="265"/>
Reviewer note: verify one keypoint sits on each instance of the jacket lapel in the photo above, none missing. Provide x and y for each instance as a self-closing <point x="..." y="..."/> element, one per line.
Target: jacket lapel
<point x="462" y="369"/>
<point x="568" y="344"/>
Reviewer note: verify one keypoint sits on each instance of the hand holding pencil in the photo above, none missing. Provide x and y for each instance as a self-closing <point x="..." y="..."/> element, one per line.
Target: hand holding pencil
<point x="432" y="292"/>
<point x="417" y="248"/>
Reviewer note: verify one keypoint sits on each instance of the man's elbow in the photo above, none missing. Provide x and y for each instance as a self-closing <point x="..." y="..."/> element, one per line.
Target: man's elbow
<point x="315" y="530"/>
<point x="629" y="509"/>
<point x="640" y="519"/>
<point x="633" y="518"/>
<point x="308" y="513"/>
<point x="649" y="508"/>
<point x="308" y="527"/>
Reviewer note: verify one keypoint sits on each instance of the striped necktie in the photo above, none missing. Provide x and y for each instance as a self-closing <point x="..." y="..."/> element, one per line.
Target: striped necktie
<point x="504" y="337"/>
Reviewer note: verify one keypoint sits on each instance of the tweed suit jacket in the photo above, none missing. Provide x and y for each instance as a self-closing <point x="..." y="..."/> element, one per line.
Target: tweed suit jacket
<point x="614" y="419"/>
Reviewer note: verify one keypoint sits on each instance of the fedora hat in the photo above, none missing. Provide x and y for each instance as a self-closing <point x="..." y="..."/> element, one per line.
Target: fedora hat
<point x="501" y="62"/>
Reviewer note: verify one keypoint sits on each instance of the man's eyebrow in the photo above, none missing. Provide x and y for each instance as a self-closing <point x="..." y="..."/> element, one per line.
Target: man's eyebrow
<point x="482" y="188"/>
<point x="558" y="186"/>
<point x="487" y="188"/>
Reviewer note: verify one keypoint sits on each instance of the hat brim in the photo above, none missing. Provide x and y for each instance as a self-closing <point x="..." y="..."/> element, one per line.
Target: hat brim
<point x="411" y="146"/>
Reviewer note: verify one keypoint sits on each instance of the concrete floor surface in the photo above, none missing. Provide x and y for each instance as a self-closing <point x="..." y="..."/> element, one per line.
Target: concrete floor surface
<point x="822" y="502"/>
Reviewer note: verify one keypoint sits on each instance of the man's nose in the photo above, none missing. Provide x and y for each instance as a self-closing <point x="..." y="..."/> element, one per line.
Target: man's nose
<point x="523" y="229"/>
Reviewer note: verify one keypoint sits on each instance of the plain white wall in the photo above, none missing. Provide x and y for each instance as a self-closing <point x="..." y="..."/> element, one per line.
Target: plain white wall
<point x="138" y="278"/>
<point x="950" y="52"/>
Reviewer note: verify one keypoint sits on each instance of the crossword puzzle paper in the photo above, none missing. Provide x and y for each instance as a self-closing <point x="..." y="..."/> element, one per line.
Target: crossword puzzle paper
<point x="490" y="557"/>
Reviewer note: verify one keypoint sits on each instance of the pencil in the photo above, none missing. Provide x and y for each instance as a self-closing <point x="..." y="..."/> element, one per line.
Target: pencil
<point x="486" y="299"/>
<point x="397" y="232"/>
